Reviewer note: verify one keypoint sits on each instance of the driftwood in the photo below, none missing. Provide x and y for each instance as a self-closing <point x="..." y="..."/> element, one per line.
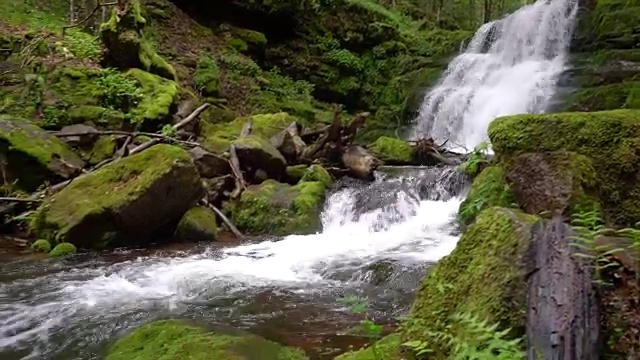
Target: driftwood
<point x="234" y="161"/>
<point x="224" y="219"/>
<point x="15" y="199"/>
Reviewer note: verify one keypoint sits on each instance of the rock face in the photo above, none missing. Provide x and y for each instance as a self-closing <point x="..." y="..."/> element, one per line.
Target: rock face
<point x="488" y="263"/>
<point x="609" y="139"/>
<point x="33" y="156"/>
<point x="279" y="209"/>
<point x="360" y="162"/>
<point x="209" y="165"/>
<point x="256" y="153"/>
<point x="563" y="321"/>
<point x="172" y="339"/>
<point x="123" y="202"/>
<point x="197" y="224"/>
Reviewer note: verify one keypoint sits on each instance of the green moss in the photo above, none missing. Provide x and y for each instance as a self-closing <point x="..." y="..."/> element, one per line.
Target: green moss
<point x="386" y="348"/>
<point x="625" y="95"/>
<point x="103" y="149"/>
<point x="279" y="209"/>
<point x="296" y="172"/>
<point x="63" y="249"/>
<point x="159" y="96"/>
<point x="207" y="76"/>
<point x="41" y="246"/>
<point x="99" y="207"/>
<point x="609" y="138"/>
<point x="489" y="189"/>
<point x="485" y="263"/>
<point x="199" y="223"/>
<point x="250" y="37"/>
<point x="317" y="173"/>
<point x="218" y="137"/>
<point x="238" y="44"/>
<point x="392" y="150"/>
<point x="99" y="115"/>
<point x="615" y="22"/>
<point x="172" y="339"/>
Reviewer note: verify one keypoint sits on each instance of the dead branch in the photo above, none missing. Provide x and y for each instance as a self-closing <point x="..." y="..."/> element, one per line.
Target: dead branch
<point x="98" y="6"/>
<point x="128" y="134"/>
<point x="15" y="199"/>
<point x="224" y="219"/>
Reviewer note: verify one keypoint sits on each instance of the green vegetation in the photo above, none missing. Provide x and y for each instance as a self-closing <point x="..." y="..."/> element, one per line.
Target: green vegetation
<point x="41" y="246"/>
<point x="489" y="189"/>
<point x="317" y="173"/>
<point x="199" y="223"/>
<point x="172" y="339"/>
<point x="63" y="249"/>
<point x="393" y="151"/>
<point x="206" y="77"/>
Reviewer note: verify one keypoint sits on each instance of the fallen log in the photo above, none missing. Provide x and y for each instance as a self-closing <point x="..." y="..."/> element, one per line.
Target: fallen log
<point x="234" y="162"/>
<point x="224" y="219"/>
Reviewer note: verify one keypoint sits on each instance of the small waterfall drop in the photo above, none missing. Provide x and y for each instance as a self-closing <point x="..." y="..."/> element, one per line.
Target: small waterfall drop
<point x="511" y="66"/>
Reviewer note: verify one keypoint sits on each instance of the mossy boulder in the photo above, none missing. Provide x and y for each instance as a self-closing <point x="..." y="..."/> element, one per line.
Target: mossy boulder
<point x="387" y="348"/>
<point x="393" y="151"/>
<point x="34" y="156"/>
<point x="103" y="149"/>
<point x="197" y="224"/>
<point x="128" y="47"/>
<point x="218" y="136"/>
<point x="257" y="153"/>
<point x="279" y="209"/>
<point x="158" y="97"/>
<point x="296" y="172"/>
<point x="173" y="339"/>
<point x="487" y="263"/>
<point x="63" y="249"/>
<point x="207" y="76"/>
<point x="490" y="188"/>
<point x="610" y="139"/>
<point x="123" y="202"/>
<point x="317" y="173"/>
<point x="558" y="181"/>
<point x="624" y="95"/>
<point x="41" y="246"/>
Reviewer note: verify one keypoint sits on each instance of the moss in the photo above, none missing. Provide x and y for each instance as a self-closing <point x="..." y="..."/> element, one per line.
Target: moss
<point x="489" y="189"/>
<point x="317" y="173"/>
<point x="41" y="246"/>
<point x="159" y="96"/>
<point x="486" y="263"/>
<point x="116" y="201"/>
<point x="625" y="95"/>
<point x="238" y="44"/>
<point x="392" y="150"/>
<point x="206" y="76"/>
<point x="296" y="172"/>
<point x="386" y="348"/>
<point x="172" y="339"/>
<point x="199" y="223"/>
<point x="279" y="209"/>
<point x="615" y="22"/>
<point x="63" y="249"/>
<point x="250" y="37"/>
<point x="218" y="137"/>
<point x="103" y="149"/>
<point x="611" y="140"/>
<point x="99" y="115"/>
<point x="33" y="155"/>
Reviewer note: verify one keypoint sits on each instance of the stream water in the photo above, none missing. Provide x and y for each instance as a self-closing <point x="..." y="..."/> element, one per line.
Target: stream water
<point x="377" y="239"/>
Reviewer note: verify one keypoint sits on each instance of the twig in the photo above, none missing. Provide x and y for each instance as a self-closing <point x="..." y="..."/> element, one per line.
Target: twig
<point x="98" y="6"/>
<point x="126" y="133"/>
<point x="224" y="219"/>
<point x="14" y="199"/>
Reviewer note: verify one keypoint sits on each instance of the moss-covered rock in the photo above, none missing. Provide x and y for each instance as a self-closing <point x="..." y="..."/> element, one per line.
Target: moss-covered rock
<point x="41" y="246"/>
<point x="103" y="149"/>
<point x="158" y="98"/>
<point x="128" y="47"/>
<point x="393" y="151"/>
<point x="490" y="188"/>
<point x="624" y="95"/>
<point x="317" y="173"/>
<point x="387" y="348"/>
<point x="487" y="263"/>
<point x="559" y="181"/>
<point x="207" y="76"/>
<point x="197" y="224"/>
<point x="218" y="136"/>
<point x="34" y="156"/>
<point x="123" y="202"/>
<point x="172" y="339"/>
<point x="279" y="209"/>
<point x="63" y="249"/>
<point x="296" y="172"/>
<point x="610" y="139"/>
<point x="256" y="153"/>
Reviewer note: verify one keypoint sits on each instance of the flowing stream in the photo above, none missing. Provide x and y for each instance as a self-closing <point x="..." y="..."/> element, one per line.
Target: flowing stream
<point x="511" y="66"/>
<point x="376" y="242"/>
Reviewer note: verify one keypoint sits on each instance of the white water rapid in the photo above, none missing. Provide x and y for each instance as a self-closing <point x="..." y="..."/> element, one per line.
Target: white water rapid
<point x="511" y="66"/>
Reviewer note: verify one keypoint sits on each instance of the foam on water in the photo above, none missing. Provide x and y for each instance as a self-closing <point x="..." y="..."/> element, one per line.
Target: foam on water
<point x="511" y="66"/>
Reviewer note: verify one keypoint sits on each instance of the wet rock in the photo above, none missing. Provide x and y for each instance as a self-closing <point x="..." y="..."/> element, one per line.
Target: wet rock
<point x="289" y="143"/>
<point x="87" y="135"/>
<point x="360" y="162"/>
<point x="279" y="209"/>
<point x="295" y="173"/>
<point x="164" y="339"/>
<point x="219" y="189"/>
<point x="393" y="151"/>
<point x="209" y="165"/>
<point x="197" y="224"/>
<point x="257" y="153"/>
<point x="34" y="156"/>
<point x="317" y="173"/>
<point x="123" y="202"/>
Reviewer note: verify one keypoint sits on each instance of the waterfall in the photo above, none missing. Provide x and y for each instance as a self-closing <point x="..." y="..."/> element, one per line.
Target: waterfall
<point x="511" y="66"/>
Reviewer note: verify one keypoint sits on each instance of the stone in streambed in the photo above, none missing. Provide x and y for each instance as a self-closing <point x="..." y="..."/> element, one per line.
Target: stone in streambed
<point x="360" y="162"/>
<point x="34" y="156"/>
<point x="256" y="153"/>
<point x="173" y="339"/>
<point x="123" y="202"/>
<point x="197" y="224"/>
<point x="209" y="165"/>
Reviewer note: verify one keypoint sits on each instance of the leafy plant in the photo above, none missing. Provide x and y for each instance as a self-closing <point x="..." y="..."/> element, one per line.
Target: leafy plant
<point x="367" y="326"/>
<point x="475" y="160"/>
<point x="118" y="91"/>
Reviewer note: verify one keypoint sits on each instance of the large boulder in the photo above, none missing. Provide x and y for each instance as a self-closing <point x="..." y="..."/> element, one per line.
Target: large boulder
<point x="609" y="139"/>
<point x="279" y="209"/>
<point x="256" y="153"/>
<point x="123" y="202"/>
<point x="173" y="339"/>
<point x="197" y="224"/>
<point x="33" y="156"/>
<point x="488" y="262"/>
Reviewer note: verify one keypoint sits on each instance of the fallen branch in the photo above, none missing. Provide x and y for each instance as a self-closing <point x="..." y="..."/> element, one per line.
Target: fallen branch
<point x="14" y="199"/>
<point x="224" y="219"/>
<point x="128" y="134"/>
<point x="98" y="6"/>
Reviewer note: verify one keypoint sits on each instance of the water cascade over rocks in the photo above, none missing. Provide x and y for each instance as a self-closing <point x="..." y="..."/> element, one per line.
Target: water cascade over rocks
<point x="511" y="66"/>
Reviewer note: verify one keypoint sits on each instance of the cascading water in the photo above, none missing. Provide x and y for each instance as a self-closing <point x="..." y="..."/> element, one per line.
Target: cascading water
<point x="511" y="66"/>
